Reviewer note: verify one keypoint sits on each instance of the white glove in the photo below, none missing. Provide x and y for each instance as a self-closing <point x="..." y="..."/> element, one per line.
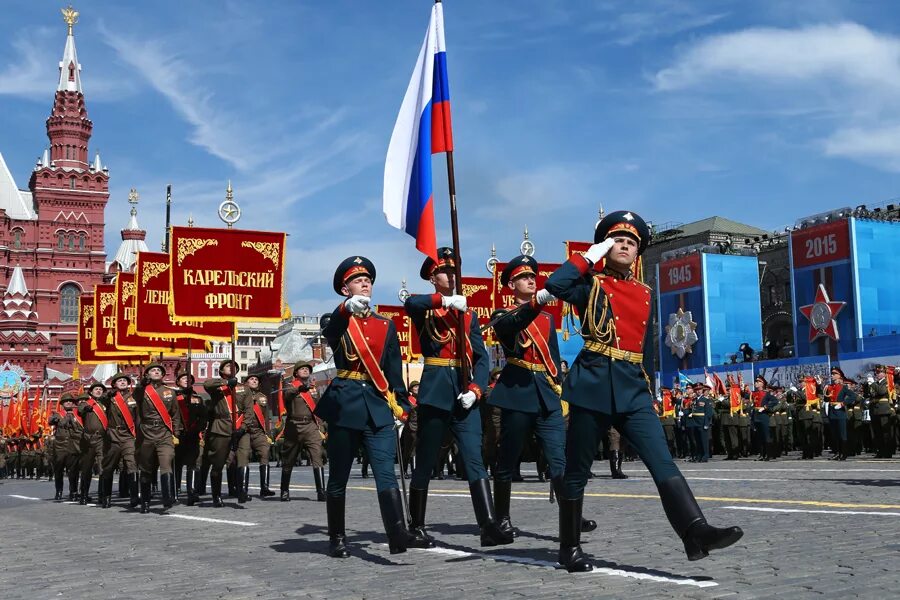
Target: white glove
<point x="794" y="388"/>
<point x="397" y="423"/>
<point x="543" y="297"/>
<point x="598" y="251"/>
<point x="870" y="380"/>
<point x="467" y="399"/>
<point x="357" y="304"/>
<point x="454" y="301"/>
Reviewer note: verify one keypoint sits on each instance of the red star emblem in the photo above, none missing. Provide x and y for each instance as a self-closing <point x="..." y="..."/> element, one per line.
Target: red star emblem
<point x="822" y="314"/>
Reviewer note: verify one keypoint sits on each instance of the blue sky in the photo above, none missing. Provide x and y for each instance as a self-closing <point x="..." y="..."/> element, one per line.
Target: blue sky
<point x="762" y="112"/>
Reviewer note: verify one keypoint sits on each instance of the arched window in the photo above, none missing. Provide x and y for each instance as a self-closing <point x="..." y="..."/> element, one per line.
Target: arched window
<point x="201" y="371"/>
<point x="17" y="235"/>
<point x="82" y="237"/>
<point x="72" y="183"/>
<point x="215" y="369"/>
<point x="68" y="303"/>
<point x="60" y="240"/>
<point x="71" y="240"/>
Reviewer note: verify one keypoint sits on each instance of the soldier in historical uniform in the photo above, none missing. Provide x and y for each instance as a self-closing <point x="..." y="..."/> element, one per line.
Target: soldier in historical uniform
<point x="702" y="413"/>
<point x="193" y="421"/>
<point x="807" y="404"/>
<point x="59" y="422"/>
<point x="221" y="414"/>
<point x="444" y="403"/>
<point x="253" y="431"/>
<point x="882" y="412"/>
<point x="74" y="461"/>
<point x="159" y="425"/>
<point x="764" y="404"/>
<point x="527" y="392"/>
<point x="665" y="408"/>
<point x="93" y="439"/>
<point x="410" y="428"/>
<point x="609" y="385"/>
<point x="691" y="425"/>
<point x="362" y="403"/>
<point x="839" y="398"/>
<point x="302" y="431"/>
<point x="121" y="406"/>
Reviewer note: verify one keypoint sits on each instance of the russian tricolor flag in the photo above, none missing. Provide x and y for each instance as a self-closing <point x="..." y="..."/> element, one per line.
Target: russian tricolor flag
<point x="422" y="129"/>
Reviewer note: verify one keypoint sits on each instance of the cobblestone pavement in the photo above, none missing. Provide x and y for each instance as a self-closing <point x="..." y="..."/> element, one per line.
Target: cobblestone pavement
<point x="812" y="529"/>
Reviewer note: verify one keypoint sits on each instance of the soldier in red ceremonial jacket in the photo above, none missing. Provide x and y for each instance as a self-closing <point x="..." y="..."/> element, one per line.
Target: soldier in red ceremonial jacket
<point x="609" y="385"/>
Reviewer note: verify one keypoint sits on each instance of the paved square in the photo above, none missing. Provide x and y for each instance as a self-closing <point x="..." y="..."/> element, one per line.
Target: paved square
<point x="812" y="529"/>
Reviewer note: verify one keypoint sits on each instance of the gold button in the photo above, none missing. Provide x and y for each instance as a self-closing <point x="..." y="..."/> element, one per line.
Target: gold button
<point x="617" y="318"/>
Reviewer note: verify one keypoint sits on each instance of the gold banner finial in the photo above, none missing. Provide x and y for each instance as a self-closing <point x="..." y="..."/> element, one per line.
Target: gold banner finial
<point x="70" y="16"/>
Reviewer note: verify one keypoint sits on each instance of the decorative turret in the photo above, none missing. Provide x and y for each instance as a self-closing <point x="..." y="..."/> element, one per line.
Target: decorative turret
<point x="17" y="312"/>
<point x="133" y="240"/>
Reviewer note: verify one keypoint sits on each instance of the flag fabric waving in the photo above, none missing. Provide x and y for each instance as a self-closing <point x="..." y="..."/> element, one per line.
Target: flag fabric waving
<point x="422" y="128"/>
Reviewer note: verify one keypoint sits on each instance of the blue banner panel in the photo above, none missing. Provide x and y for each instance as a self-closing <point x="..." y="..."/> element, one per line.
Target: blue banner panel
<point x="733" y="315"/>
<point x="876" y="249"/>
<point x="678" y="331"/>
<point x="821" y="257"/>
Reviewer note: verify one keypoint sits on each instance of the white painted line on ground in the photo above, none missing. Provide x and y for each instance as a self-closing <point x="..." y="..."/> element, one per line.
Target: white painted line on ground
<point x="209" y="520"/>
<point x="805" y="470"/>
<point x="522" y="560"/>
<point x="22" y="497"/>
<point x="819" y="512"/>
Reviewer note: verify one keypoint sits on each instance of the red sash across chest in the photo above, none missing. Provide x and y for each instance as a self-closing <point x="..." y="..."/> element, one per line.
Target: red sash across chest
<point x="307" y="397"/>
<point x="126" y="413"/>
<point x="157" y="403"/>
<point x="448" y="321"/>
<point x="368" y="340"/>
<point x="758" y="398"/>
<point x="538" y="331"/>
<point x="99" y="412"/>
<point x="630" y="304"/>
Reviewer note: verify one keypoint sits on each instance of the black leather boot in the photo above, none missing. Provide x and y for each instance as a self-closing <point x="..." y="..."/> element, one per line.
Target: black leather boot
<point x="242" y="484"/>
<point x="285" y="484"/>
<point x="231" y="471"/>
<point x="58" y="482"/>
<point x="619" y="474"/>
<point x="571" y="557"/>
<point x="85" y="490"/>
<point x="166" y="486"/>
<point x="337" y="538"/>
<point x="154" y="483"/>
<point x="106" y="487"/>
<point x="264" y="491"/>
<point x="502" y="493"/>
<point x="176" y="483"/>
<point x="215" y="485"/>
<point x="391" y="505"/>
<point x="146" y="491"/>
<point x="189" y="477"/>
<point x="123" y="483"/>
<point x="133" y="490"/>
<point x="689" y="523"/>
<point x="319" y="475"/>
<point x="201" y="481"/>
<point x="418" y="499"/>
<point x="491" y="534"/>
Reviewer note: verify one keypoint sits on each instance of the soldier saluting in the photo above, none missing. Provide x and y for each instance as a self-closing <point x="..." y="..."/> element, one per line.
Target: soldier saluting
<point x="159" y="425"/>
<point x="301" y="431"/>
<point x="253" y="429"/>
<point x="608" y="386"/>
<point x="221" y="413"/>
<point x="442" y="404"/>
<point x="362" y="403"/>
<point x="122" y="431"/>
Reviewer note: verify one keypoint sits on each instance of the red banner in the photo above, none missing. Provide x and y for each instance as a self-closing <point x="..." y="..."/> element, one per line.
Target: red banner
<point x="503" y="296"/>
<point x="126" y="335"/>
<point x="226" y="274"/>
<point x="821" y="244"/>
<point x="479" y="293"/>
<point x="680" y="273"/>
<point x="404" y="328"/>
<point x="573" y="248"/>
<point x="84" y="353"/>
<point x="152" y="318"/>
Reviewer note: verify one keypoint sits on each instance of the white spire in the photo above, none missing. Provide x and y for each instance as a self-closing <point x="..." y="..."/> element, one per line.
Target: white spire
<point x="97" y="166"/>
<point x="17" y="283"/>
<point x="69" y="68"/>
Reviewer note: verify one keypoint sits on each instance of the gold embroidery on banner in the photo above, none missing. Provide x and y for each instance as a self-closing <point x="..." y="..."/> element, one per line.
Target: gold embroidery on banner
<point x="188" y="246"/>
<point x="473" y="288"/>
<point x="152" y="269"/>
<point x="87" y="314"/>
<point x="269" y="250"/>
<point x="128" y="290"/>
<point x="107" y="299"/>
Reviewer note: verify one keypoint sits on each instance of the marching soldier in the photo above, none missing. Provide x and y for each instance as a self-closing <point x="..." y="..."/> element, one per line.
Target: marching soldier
<point x="443" y="405"/>
<point x="839" y="398"/>
<point x="76" y="429"/>
<point x="744" y="423"/>
<point x="608" y="385"/>
<point x="159" y="425"/>
<point x="93" y="439"/>
<point x="701" y="418"/>
<point x="411" y="426"/>
<point x="807" y="404"/>
<point x="253" y="429"/>
<point x="362" y="403"/>
<point x="665" y="408"/>
<point x="193" y="420"/>
<point x="221" y="414"/>
<point x="61" y="431"/>
<point x="616" y="454"/>
<point x="764" y="405"/>
<point x="120" y="412"/>
<point x="882" y="412"/>
<point x="691" y="425"/>
<point x="527" y="392"/>
<point x="301" y="431"/>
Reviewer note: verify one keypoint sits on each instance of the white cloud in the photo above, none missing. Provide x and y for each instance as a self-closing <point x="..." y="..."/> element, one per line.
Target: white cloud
<point x="846" y="67"/>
